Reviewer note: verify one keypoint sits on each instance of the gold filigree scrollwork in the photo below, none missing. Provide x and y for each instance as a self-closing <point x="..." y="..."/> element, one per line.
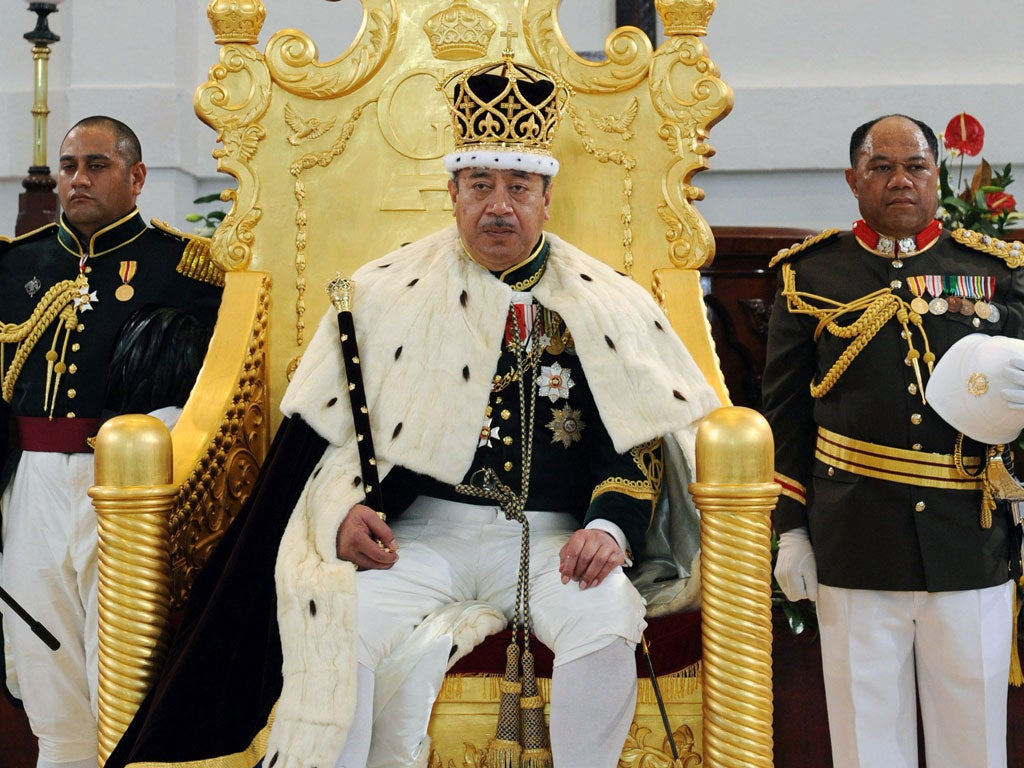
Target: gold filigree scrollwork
<point x="637" y="753"/>
<point x="687" y="92"/>
<point x="303" y="164"/>
<point x="231" y="102"/>
<point x="223" y="477"/>
<point x="627" y="162"/>
<point x="628" y="50"/>
<point x="292" y="56"/>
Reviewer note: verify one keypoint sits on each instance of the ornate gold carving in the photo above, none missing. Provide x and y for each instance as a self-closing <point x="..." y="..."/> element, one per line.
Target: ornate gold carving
<point x="688" y="94"/>
<point x="292" y="56"/>
<point x="735" y="499"/>
<point x="628" y="162"/>
<point x="222" y="478"/>
<point x="637" y="753"/>
<point x="304" y="128"/>
<point x="232" y="102"/>
<point x="628" y="50"/>
<point x="459" y="32"/>
<point x="236" y="21"/>
<point x="133" y="496"/>
<point x="685" y="17"/>
<point x="621" y="123"/>
<point x="306" y="162"/>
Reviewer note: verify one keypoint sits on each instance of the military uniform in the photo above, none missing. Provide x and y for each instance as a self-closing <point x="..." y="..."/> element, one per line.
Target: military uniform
<point x="64" y="300"/>
<point x="893" y="496"/>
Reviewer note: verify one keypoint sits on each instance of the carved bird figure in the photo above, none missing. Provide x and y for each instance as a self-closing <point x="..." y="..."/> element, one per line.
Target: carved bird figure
<point x="303" y="129"/>
<point x="619" y="124"/>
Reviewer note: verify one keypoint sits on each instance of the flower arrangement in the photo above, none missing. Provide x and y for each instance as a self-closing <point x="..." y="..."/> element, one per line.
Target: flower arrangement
<point x="983" y="204"/>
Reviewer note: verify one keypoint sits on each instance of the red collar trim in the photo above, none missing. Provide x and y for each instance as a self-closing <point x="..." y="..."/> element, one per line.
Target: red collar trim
<point x="887" y="246"/>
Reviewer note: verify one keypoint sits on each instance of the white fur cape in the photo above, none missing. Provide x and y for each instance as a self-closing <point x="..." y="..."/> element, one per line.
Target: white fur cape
<point x="430" y="322"/>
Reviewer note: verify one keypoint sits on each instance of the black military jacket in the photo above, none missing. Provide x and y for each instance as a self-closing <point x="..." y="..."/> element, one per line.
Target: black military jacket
<point x="870" y="533"/>
<point x="574" y="467"/>
<point x="161" y="266"/>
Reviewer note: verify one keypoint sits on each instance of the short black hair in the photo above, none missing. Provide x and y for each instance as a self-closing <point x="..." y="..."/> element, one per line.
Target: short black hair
<point x="125" y="140"/>
<point x="860" y="134"/>
<point x="156" y="359"/>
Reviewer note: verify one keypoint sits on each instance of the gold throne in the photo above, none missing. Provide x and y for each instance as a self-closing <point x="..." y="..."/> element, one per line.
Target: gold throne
<point x="338" y="162"/>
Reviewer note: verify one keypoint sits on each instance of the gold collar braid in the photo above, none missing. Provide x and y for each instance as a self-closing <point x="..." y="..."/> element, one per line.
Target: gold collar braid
<point x="876" y="309"/>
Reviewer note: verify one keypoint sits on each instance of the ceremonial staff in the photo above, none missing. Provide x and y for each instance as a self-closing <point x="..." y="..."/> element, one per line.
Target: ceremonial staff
<point x="38" y="629"/>
<point x="340" y="291"/>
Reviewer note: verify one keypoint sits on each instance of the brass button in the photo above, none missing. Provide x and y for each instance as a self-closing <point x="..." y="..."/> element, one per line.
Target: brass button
<point x="506" y="440"/>
<point x="75" y="347"/>
<point x="915" y="418"/>
<point x="912" y="389"/>
<point x="916" y="446"/>
<point x="508" y="466"/>
<point x="919" y="507"/>
<point x="831" y="471"/>
<point x="72" y="368"/>
<point x="80" y="327"/>
<point x="71" y="414"/>
<point x="505" y="414"/>
<point x="71" y="394"/>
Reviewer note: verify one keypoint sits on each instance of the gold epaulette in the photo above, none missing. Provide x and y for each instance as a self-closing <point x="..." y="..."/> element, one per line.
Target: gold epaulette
<point x="196" y="260"/>
<point x="1011" y="253"/>
<point x="43" y="230"/>
<point x="803" y="245"/>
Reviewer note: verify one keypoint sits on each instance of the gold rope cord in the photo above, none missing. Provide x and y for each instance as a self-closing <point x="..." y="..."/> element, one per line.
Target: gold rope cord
<point x="56" y="302"/>
<point x="876" y="310"/>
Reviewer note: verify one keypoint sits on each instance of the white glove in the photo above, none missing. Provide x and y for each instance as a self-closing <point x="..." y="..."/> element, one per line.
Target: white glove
<point x="795" y="567"/>
<point x="1014" y="395"/>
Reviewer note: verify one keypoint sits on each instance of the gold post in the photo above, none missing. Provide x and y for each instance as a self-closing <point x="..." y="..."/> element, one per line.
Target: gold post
<point x="133" y="497"/>
<point x="735" y="494"/>
<point x="40" y="108"/>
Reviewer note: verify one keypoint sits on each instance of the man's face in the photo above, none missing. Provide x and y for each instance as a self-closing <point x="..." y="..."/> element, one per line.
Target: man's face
<point x="500" y="214"/>
<point x="95" y="184"/>
<point x="896" y="179"/>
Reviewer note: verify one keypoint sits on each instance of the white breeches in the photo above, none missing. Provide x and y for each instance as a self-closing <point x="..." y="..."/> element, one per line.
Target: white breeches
<point x="49" y="567"/>
<point x="450" y="552"/>
<point x="881" y="650"/>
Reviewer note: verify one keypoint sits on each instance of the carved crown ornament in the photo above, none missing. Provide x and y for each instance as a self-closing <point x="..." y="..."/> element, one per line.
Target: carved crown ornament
<point x="685" y="17"/>
<point x="236" y="21"/>
<point x="459" y="32"/>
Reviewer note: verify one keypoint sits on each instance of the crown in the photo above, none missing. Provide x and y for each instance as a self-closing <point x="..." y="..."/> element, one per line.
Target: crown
<point x="459" y="32"/>
<point x="685" y="17"/>
<point x="236" y="21"/>
<point x="504" y="116"/>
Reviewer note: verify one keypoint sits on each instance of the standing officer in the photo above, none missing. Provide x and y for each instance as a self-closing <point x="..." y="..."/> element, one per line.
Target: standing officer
<point x="65" y="292"/>
<point x="886" y="518"/>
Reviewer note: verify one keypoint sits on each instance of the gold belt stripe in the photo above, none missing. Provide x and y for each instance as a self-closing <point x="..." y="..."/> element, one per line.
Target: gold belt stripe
<point x="897" y="465"/>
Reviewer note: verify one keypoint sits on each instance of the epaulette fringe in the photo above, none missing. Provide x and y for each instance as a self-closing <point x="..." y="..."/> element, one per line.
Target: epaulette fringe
<point x="803" y="245"/>
<point x="1011" y="253"/>
<point x="196" y="261"/>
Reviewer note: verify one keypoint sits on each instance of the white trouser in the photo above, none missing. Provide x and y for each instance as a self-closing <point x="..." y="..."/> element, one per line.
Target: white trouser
<point x="49" y="567"/>
<point x="451" y="552"/>
<point x="881" y="649"/>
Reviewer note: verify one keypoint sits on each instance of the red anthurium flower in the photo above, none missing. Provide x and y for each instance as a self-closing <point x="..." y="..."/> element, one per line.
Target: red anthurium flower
<point x="964" y="134"/>
<point x="998" y="202"/>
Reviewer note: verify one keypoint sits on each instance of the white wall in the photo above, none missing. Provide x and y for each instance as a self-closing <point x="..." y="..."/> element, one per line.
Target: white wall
<point x="805" y="73"/>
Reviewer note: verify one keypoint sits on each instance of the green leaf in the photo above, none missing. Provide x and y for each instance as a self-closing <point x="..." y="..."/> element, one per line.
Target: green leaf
<point x="215" y="197"/>
<point x="193" y="217"/>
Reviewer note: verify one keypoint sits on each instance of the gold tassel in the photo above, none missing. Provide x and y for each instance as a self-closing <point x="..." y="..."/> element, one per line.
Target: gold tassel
<point x="1016" y="675"/>
<point x="503" y="751"/>
<point x="536" y="750"/>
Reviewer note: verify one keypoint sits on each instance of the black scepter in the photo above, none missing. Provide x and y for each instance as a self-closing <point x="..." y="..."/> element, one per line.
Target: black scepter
<point x="340" y="291"/>
<point x="38" y="629"/>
